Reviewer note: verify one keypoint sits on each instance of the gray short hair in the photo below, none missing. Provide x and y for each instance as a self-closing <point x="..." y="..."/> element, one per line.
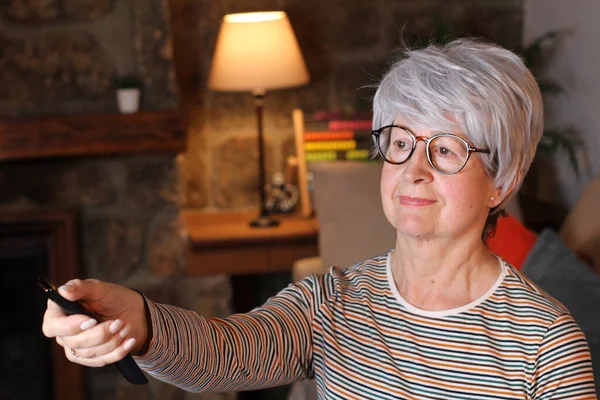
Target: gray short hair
<point x="482" y="89"/>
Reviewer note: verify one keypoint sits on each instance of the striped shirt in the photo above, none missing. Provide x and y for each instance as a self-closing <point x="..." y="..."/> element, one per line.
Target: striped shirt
<point x="352" y="332"/>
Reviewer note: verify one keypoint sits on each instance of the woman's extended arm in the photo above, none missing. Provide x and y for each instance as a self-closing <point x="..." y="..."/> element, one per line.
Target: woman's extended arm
<point x="269" y="346"/>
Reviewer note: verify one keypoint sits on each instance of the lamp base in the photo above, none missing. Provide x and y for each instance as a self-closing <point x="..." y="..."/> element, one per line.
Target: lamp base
<point x="264" y="222"/>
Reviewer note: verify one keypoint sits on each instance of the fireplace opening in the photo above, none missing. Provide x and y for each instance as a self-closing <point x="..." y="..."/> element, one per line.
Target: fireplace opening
<point x="34" y="243"/>
<point x="26" y="364"/>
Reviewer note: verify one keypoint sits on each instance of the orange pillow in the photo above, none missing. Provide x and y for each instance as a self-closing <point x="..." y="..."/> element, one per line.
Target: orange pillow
<point x="512" y="241"/>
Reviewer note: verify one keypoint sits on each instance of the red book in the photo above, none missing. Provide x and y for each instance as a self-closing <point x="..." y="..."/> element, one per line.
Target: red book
<point x="351" y="124"/>
<point x="328" y="135"/>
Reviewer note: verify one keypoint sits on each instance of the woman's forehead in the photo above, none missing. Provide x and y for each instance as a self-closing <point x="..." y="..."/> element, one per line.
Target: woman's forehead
<point x="420" y="128"/>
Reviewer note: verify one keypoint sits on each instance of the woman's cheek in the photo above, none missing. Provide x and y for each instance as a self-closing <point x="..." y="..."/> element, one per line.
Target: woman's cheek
<point x="387" y="190"/>
<point x="387" y="180"/>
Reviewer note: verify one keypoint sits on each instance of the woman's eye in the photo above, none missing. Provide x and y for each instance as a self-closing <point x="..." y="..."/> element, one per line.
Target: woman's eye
<point x="443" y="151"/>
<point x="400" y="145"/>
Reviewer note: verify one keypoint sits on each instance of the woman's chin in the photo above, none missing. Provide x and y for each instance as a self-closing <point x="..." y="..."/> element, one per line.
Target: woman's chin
<point x="415" y="226"/>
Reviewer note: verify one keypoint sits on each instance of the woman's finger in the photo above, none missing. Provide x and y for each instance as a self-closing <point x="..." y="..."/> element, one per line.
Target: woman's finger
<point x="56" y="323"/>
<point x="93" y="336"/>
<point x="71" y="355"/>
<point x="106" y="347"/>
<point x="117" y="354"/>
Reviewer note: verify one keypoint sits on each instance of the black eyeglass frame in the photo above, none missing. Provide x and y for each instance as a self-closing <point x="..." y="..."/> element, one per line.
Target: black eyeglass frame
<point x="470" y="149"/>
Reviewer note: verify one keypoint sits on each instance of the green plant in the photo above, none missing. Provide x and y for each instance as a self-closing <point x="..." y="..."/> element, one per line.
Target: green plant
<point x="536" y="57"/>
<point x="127" y="82"/>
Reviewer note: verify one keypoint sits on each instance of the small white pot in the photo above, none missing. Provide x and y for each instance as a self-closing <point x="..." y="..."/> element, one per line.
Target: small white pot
<point x="128" y="100"/>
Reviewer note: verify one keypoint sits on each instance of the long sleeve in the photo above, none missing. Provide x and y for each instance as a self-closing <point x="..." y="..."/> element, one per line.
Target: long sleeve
<point x="269" y="346"/>
<point x="563" y="367"/>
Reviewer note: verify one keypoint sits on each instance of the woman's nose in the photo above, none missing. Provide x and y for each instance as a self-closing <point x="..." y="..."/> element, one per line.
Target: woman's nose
<point x="417" y="166"/>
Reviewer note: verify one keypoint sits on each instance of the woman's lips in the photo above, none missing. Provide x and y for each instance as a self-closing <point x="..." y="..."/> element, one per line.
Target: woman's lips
<point x="415" y="201"/>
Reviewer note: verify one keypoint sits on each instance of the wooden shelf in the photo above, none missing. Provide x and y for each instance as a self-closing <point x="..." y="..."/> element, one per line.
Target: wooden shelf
<point x="91" y="134"/>
<point x="224" y="243"/>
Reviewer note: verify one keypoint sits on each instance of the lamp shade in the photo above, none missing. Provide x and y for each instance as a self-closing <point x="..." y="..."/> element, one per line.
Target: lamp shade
<point x="257" y="51"/>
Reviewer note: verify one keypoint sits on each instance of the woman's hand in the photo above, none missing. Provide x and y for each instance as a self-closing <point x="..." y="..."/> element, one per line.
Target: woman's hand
<point x="94" y="343"/>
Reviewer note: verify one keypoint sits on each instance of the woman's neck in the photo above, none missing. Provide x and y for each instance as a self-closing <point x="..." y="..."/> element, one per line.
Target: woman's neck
<point x="435" y="275"/>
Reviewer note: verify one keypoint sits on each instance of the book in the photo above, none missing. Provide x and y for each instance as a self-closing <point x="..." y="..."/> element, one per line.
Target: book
<point x="339" y="115"/>
<point x="350" y="155"/>
<point x="328" y="136"/>
<point x="339" y="125"/>
<point x="337" y="136"/>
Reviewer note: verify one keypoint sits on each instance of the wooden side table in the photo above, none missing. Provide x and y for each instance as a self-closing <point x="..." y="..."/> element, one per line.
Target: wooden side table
<point x="224" y="243"/>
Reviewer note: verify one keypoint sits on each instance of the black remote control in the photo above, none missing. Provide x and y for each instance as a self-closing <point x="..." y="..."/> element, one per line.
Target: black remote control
<point x="127" y="366"/>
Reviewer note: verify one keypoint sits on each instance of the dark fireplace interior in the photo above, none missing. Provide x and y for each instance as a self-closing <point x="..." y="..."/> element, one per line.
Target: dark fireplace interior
<point x="32" y="366"/>
<point x="25" y="351"/>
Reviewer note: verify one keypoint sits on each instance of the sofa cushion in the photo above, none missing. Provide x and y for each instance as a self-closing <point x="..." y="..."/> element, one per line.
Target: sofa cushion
<point x="557" y="269"/>
<point x="512" y="241"/>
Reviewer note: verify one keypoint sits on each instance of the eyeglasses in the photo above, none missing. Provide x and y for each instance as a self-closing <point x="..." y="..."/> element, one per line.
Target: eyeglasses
<point x="446" y="153"/>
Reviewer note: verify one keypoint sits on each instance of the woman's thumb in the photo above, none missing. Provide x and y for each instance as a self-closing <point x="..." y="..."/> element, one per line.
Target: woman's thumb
<point x="72" y="290"/>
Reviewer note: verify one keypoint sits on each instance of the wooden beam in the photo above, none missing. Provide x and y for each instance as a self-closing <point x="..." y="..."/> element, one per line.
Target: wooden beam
<point x="92" y="134"/>
<point x="188" y="42"/>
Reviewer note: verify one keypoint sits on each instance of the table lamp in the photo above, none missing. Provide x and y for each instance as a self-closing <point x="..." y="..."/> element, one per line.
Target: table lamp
<point x="256" y="52"/>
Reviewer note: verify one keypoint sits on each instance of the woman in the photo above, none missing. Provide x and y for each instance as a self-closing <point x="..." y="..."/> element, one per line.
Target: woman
<point x="438" y="316"/>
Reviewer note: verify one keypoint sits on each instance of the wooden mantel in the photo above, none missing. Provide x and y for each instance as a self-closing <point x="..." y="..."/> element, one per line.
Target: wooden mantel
<point x="91" y="134"/>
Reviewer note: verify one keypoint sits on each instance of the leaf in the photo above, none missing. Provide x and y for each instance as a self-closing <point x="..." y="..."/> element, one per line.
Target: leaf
<point x="533" y="52"/>
<point x="566" y="140"/>
<point x="549" y="87"/>
<point x="442" y="33"/>
<point x="127" y="81"/>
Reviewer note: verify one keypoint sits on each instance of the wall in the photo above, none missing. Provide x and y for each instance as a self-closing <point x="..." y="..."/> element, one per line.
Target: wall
<point x="575" y="67"/>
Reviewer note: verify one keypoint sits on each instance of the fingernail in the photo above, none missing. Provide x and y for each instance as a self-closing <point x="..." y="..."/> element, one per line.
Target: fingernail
<point x="88" y="324"/>
<point x="129" y="344"/>
<point x="124" y="332"/>
<point x="67" y="287"/>
<point x="115" y="326"/>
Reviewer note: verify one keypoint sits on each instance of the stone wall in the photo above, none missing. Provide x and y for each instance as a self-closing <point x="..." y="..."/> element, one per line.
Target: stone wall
<point x="61" y="56"/>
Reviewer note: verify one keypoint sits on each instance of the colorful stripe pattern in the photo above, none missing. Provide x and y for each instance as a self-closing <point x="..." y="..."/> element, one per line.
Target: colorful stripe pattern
<point x="349" y="331"/>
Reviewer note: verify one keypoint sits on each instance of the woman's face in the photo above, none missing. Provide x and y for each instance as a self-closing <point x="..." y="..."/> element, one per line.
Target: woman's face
<point x="423" y="203"/>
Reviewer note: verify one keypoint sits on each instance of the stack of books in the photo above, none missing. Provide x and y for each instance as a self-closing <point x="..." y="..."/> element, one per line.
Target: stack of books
<point x="337" y="136"/>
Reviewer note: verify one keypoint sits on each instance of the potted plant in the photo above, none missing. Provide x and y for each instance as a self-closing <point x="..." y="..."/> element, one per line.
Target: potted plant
<point x="129" y="89"/>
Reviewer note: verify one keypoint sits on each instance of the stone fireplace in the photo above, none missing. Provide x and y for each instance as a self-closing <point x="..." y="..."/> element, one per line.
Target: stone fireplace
<point x="123" y="226"/>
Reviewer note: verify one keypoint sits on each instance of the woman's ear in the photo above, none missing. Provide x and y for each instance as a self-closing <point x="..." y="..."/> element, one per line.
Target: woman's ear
<point x="498" y="198"/>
